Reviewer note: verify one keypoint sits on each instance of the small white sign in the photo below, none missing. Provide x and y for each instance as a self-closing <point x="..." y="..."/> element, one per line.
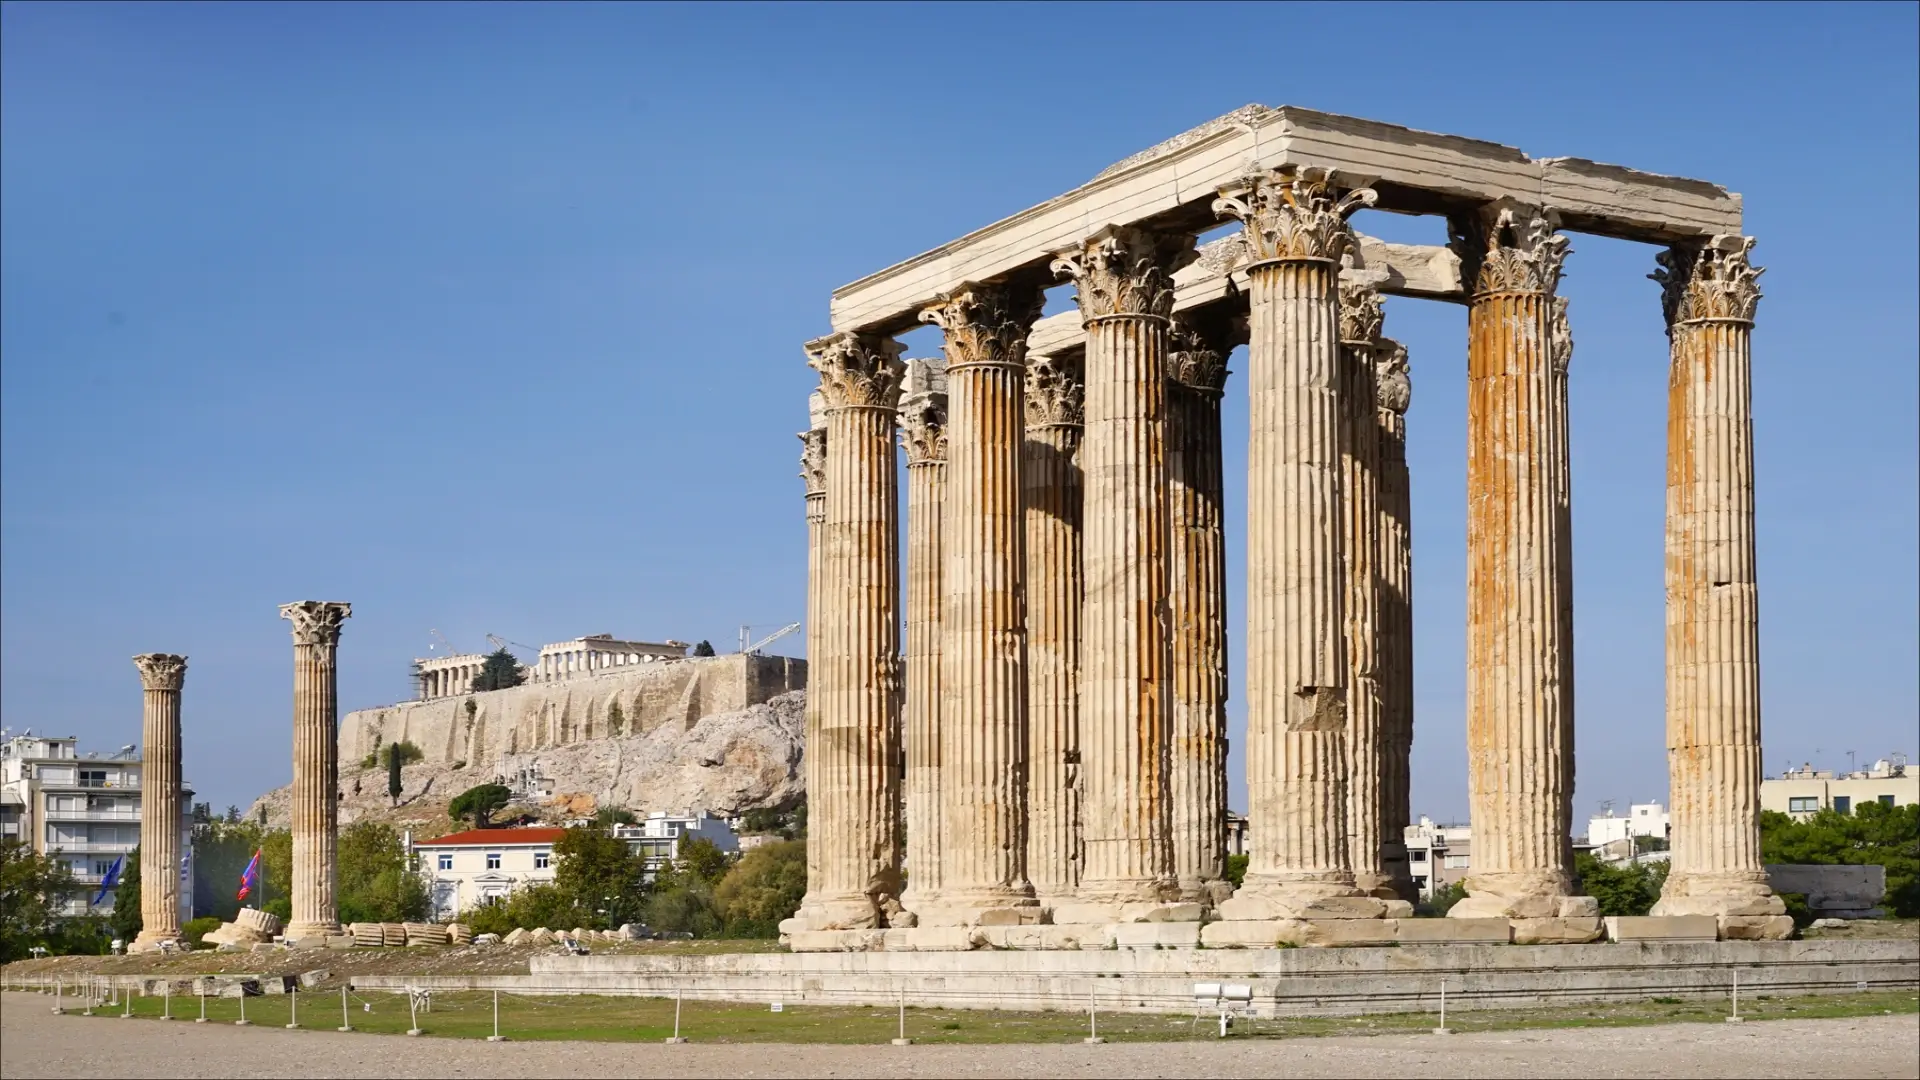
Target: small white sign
<point x="778" y="1007"/>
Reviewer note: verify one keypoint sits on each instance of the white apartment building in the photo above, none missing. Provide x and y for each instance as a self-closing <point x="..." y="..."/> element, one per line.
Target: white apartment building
<point x="1806" y="790"/>
<point x="1438" y="855"/>
<point x="1642" y="819"/>
<point x="482" y="866"/>
<point x="83" y="810"/>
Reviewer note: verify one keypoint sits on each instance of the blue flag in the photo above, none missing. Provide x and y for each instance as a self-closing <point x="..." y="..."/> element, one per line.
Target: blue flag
<point x="113" y="878"/>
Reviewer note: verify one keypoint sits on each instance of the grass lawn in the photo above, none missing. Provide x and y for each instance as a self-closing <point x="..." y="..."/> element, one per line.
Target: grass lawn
<point x="469" y="1015"/>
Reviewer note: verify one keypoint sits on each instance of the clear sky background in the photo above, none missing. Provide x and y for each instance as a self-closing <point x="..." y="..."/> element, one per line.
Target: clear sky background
<point x="487" y="318"/>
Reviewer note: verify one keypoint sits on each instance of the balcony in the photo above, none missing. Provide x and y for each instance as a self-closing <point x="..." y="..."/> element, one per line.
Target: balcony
<point x="94" y="815"/>
<point x="77" y="848"/>
<point x="119" y="783"/>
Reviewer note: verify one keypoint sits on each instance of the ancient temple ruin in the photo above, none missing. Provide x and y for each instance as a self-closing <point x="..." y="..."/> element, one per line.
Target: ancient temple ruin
<point x="1057" y="710"/>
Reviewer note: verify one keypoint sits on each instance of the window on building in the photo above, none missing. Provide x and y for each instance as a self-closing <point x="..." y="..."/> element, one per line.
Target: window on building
<point x="542" y="860"/>
<point x="446" y="860"/>
<point x="93" y="778"/>
<point x="493" y="860"/>
<point x="1803" y="804"/>
<point x="102" y="867"/>
<point x="1417" y="856"/>
<point x="1458" y="862"/>
<point x="1886" y="800"/>
<point x="1843" y="803"/>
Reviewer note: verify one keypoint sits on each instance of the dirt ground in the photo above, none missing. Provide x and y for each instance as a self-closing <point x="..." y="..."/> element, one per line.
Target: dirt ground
<point x="34" y="1042"/>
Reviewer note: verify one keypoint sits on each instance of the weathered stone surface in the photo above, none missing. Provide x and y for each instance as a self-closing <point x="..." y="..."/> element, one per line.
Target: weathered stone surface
<point x="311" y="979"/>
<point x="1454" y="932"/>
<point x="1848" y="892"/>
<point x="1320" y="933"/>
<point x="838" y="940"/>
<point x="1662" y="928"/>
<point x="1755" y="927"/>
<point x="1577" y="931"/>
<point x="1156" y="935"/>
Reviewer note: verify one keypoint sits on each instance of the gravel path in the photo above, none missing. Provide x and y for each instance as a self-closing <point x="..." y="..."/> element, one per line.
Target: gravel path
<point x="34" y="1042"/>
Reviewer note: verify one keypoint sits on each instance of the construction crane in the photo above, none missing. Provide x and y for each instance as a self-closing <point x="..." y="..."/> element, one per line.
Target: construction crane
<point x="499" y="642"/>
<point x="754" y="649"/>
<point x="444" y="643"/>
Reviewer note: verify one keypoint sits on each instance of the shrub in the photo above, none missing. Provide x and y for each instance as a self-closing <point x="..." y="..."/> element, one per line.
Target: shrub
<point x="196" y="929"/>
<point x="764" y="887"/>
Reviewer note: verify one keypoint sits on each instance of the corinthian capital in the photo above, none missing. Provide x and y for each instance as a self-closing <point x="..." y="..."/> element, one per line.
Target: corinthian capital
<point x="813" y="460"/>
<point x="1559" y="336"/>
<point x="1711" y="280"/>
<point x="1056" y="392"/>
<point x="1123" y="270"/>
<point x="1292" y="213"/>
<point x="923" y="428"/>
<point x="1361" y="313"/>
<point x="858" y="370"/>
<point x="1507" y="247"/>
<point x="985" y="324"/>
<point x="1393" y="387"/>
<point x="1197" y="351"/>
<point x="316" y="622"/>
<point x="161" y="671"/>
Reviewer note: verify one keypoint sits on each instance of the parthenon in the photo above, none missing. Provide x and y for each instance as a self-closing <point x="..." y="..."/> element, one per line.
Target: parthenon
<point x="1056" y="712"/>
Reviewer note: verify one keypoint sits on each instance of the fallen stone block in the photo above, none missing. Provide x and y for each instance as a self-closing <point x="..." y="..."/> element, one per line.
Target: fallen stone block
<point x="488" y="941"/>
<point x="1755" y="927"/>
<point x="514" y="936"/>
<point x="425" y="934"/>
<point x="237" y="988"/>
<point x="1662" y="928"/>
<point x="311" y="979"/>
<point x="260" y="922"/>
<point x="393" y="934"/>
<point x="459" y="933"/>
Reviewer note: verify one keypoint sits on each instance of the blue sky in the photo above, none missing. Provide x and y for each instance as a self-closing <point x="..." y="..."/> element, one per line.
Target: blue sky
<point x="488" y="319"/>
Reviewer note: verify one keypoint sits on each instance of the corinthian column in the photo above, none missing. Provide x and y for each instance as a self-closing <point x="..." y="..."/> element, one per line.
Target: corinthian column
<point x="853" y="745"/>
<point x="1125" y="292"/>
<point x="813" y="474"/>
<point x="1394" y="626"/>
<point x="1197" y="558"/>
<point x="316" y="766"/>
<point x="1050" y="474"/>
<point x="1518" y="738"/>
<point x="983" y="665"/>
<point x="1361" y="314"/>
<point x="1295" y="229"/>
<point x="1713" y="618"/>
<point x="161" y="676"/>
<point x="923" y="435"/>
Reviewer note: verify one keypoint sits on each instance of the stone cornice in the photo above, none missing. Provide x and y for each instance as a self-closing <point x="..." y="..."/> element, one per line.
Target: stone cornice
<point x="858" y="370"/>
<point x="1124" y="271"/>
<point x="1509" y="247"/>
<point x="986" y="324"/>
<point x="1293" y="214"/>
<point x="1715" y="280"/>
<point x="161" y="671"/>
<point x="316" y="622"/>
<point x="1056" y="392"/>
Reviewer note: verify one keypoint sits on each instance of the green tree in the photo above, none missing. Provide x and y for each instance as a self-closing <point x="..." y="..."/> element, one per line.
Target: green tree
<point x="764" y="887"/>
<point x="393" y="779"/>
<point x="31" y="888"/>
<point x="124" y="921"/>
<point x="608" y="816"/>
<point x="1873" y="834"/>
<point x="276" y="870"/>
<point x="500" y="671"/>
<point x="600" y="874"/>
<point x="1442" y="900"/>
<point x="529" y="907"/>
<point x="375" y="882"/>
<point x="1236" y="869"/>
<point x="700" y="859"/>
<point x="479" y="804"/>
<point x="1621" y="890"/>
<point x="221" y="850"/>
<point x="705" y="648"/>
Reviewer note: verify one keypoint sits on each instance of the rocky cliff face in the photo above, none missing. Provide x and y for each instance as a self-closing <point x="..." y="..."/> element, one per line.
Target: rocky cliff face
<point x="726" y="762"/>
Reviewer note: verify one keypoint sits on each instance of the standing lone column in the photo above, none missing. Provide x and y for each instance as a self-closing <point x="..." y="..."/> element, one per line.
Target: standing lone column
<point x="923" y="435"/>
<point x="813" y="474"/>
<point x="161" y="676"/>
<point x="1518" y="739"/>
<point x="1197" y="561"/>
<point x="1361" y="314"/>
<point x="1394" y="558"/>
<point x="983" y="673"/>
<point x="853" y="748"/>
<point x="1711" y="291"/>
<point x="316" y="766"/>
<point x="1125" y="292"/>
<point x="1055" y="773"/>
<point x="1295" y="229"/>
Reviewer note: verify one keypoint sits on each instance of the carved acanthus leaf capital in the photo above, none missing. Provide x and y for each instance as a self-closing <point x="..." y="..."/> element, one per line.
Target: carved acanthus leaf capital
<point x="1123" y="270"/>
<point x="858" y="370"/>
<point x="1711" y="280"/>
<point x="1559" y="336"/>
<point x="161" y="671"/>
<point x="1361" y="313"/>
<point x="1508" y="247"/>
<point x="316" y="622"/>
<point x="985" y="324"/>
<point x="1197" y="353"/>
<point x="813" y="460"/>
<point x="1393" y="386"/>
<point x="1293" y="213"/>
<point x="1056" y="392"/>
<point x="923" y="428"/>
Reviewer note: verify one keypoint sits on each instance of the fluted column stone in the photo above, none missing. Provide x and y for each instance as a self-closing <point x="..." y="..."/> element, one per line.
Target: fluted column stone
<point x="1394" y="559"/>
<point x="1295" y="231"/>
<point x="983" y="664"/>
<point x="1518" y="737"/>
<point x="923" y="437"/>
<point x="813" y="474"/>
<point x="853" y="747"/>
<point x="316" y="766"/>
<point x="1050" y="474"/>
<point x="161" y="677"/>
<point x="1361" y="314"/>
<point x="1711" y="291"/>
<point x="1123" y="279"/>
<point x="1196" y="561"/>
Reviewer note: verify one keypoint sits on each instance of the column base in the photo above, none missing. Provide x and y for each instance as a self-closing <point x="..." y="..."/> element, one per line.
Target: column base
<point x="1524" y="896"/>
<point x="1378" y="884"/>
<point x="980" y="907"/>
<point x="152" y="940"/>
<point x="1152" y="900"/>
<point x="846" y="911"/>
<point x="315" y="931"/>
<point x="1283" y="899"/>
<point x="1743" y="894"/>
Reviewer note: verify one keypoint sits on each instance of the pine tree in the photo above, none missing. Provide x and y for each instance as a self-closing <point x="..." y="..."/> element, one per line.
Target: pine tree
<point x="500" y="672"/>
<point x="393" y="778"/>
